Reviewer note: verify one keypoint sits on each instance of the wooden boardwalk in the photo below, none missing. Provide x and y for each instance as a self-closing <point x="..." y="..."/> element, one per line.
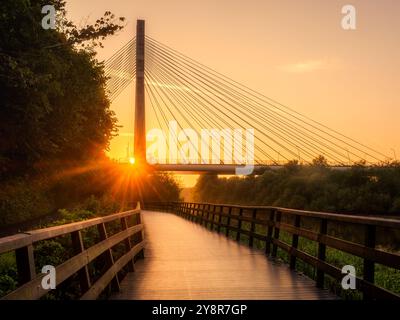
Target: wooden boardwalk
<point x="184" y="260"/>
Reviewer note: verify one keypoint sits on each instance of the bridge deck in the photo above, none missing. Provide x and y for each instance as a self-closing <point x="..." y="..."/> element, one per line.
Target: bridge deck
<point x="183" y="260"/>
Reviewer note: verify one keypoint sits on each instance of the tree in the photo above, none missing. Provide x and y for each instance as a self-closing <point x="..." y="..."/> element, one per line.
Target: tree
<point x="320" y="161"/>
<point x="53" y="99"/>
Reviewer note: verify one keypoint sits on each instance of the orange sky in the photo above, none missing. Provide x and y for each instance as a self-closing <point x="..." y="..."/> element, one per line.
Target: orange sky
<point x="294" y="51"/>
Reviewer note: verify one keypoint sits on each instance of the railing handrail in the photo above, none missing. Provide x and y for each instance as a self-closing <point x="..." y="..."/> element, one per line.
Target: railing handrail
<point x="340" y="217"/>
<point x="23" y="244"/>
<point x="26" y="238"/>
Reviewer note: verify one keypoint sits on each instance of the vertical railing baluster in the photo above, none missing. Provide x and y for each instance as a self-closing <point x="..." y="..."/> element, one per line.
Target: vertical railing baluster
<point x="200" y="214"/>
<point x="228" y="223"/>
<point x="25" y="264"/>
<point x="108" y="256"/>
<point x="205" y="216"/>
<point x="321" y="253"/>
<point x="295" y="242"/>
<point x="221" y="209"/>
<point x="194" y="212"/>
<point x="270" y="228"/>
<point x="278" y="216"/>
<point x="252" y="227"/>
<point x="239" y="224"/>
<point x="83" y="274"/>
<point x="208" y="215"/>
<point x="369" y="265"/>
<point x="139" y="221"/>
<point x="213" y="216"/>
<point x="128" y="244"/>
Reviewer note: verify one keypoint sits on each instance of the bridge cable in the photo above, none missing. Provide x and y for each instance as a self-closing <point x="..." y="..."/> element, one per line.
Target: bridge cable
<point x="271" y="123"/>
<point x="308" y="124"/>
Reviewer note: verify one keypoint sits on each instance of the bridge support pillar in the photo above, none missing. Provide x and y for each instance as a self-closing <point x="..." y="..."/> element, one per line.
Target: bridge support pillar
<point x="140" y="122"/>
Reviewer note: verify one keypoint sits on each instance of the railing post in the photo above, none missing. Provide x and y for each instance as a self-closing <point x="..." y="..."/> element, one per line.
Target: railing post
<point x="295" y="242"/>
<point x="321" y="253"/>
<point x="108" y="257"/>
<point x="141" y="235"/>
<point x="194" y="212"/>
<point x="197" y="210"/>
<point x="369" y="266"/>
<point x="198" y="213"/>
<point x="228" y="223"/>
<point x="128" y="244"/>
<point x="203" y="213"/>
<point x="213" y="216"/>
<point x="193" y="217"/>
<point x="25" y="264"/>
<point x="239" y="224"/>
<point x="221" y="209"/>
<point x="83" y="274"/>
<point x="207" y="216"/>
<point x="270" y="228"/>
<point x="278" y="216"/>
<point x="252" y="227"/>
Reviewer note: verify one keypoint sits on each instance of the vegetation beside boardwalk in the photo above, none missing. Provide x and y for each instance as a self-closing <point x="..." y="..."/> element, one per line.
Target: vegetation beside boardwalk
<point x="55" y="117"/>
<point x="56" y="251"/>
<point x="360" y="190"/>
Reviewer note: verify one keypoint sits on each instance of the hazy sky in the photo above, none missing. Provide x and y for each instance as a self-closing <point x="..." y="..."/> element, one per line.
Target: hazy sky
<point x="293" y="51"/>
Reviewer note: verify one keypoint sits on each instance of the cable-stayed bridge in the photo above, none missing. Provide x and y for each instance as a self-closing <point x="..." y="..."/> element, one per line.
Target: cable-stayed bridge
<point x="205" y="250"/>
<point x="212" y="123"/>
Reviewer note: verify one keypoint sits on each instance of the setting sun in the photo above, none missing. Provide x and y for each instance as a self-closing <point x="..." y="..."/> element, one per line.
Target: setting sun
<point x="132" y="161"/>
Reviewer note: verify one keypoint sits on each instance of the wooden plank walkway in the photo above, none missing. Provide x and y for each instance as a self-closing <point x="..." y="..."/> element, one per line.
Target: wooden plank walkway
<point x="185" y="261"/>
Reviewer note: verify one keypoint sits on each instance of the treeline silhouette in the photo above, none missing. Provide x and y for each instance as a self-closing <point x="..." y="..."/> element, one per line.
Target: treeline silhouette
<point x="359" y="190"/>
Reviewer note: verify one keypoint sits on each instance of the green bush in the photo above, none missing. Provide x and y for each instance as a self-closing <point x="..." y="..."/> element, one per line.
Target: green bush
<point x="23" y="200"/>
<point x="8" y="273"/>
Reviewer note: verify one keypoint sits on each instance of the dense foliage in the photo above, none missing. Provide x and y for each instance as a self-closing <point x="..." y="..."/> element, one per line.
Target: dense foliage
<point x="55" y="117"/>
<point x="53" y="101"/>
<point x="362" y="190"/>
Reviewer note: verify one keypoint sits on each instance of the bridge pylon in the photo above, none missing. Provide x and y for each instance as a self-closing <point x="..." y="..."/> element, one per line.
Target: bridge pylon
<point x="140" y="119"/>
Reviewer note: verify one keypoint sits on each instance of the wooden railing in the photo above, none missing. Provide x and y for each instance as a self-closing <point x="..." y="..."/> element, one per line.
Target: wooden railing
<point x="130" y="234"/>
<point x="358" y="237"/>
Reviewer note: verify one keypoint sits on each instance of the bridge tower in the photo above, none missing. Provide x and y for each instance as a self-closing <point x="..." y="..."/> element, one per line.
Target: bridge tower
<point x="140" y="119"/>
